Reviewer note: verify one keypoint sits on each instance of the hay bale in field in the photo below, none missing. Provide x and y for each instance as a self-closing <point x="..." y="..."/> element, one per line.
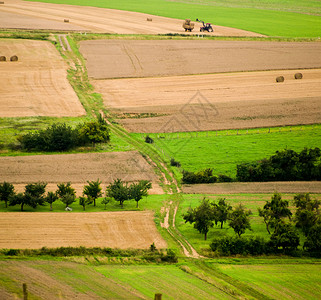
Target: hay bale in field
<point x="14" y="58"/>
<point x="66" y="20"/>
<point x="298" y="75"/>
<point x="3" y="58"/>
<point x="279" y="79"/>
<point x="149" y="19"/>
<point x="187" y="21"/>
<point x="1" y="2"/>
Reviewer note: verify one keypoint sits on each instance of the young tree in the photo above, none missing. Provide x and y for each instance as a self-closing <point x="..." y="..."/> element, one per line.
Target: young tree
<point x="64" y="189"/>
<point x="33" y="196"/>
<point x="119" y="191"/>
<point x="221" y="211"/>
<point x="307" y="213"/>
<point x="139" y="190"/>
<point x="202" y="217"/>
<point x="105" y="201"/>
<point x="68" y="199"/>
<point x="239" y="219"/>
<point x="93" y="190"/>
<point x="285" y="236"/>
<point x="273" y="211"/>
<point x="83" y="201"/>
<point x="51" y="198"/>
<point x="313" y="241"/>
<point x="6" y="190"/>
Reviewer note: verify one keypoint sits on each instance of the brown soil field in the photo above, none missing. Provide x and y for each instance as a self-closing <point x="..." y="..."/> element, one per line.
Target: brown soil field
<point x="36" y="84"/>
<point x="215" y="101"/>
<point x="35" y="15"/>
<point x="254" y="187"/>
<point x="122" y="230"/>
<point x="150" y="58"/>
<point x="77" y="169"/>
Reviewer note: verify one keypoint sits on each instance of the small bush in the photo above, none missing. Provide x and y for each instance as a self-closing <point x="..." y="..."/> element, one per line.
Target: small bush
<point x="12" y="252"/>
<point x="224" y="178"/>
<point x="175" y="163"/>
<point x="204" y="176"/>
<point x="170" y="256"/>
<point x="149" y="140"/>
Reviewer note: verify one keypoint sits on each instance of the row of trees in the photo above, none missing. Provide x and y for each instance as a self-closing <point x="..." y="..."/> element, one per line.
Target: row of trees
<point x="286" y="165"/>
<point x="61" y="137"/>
<point x="35" y="193"/>
<point x="280" y="223"/>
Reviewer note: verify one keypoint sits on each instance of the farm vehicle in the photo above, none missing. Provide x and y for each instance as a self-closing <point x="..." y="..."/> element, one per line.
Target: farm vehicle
<point x="188" y="26"/>
<point x="206" y="27"/>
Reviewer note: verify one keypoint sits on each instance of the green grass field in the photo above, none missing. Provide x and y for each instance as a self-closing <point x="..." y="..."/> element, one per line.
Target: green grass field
<point x="273" y="18"/>
<point x="223" y="150"/>
<point x="250" y="201"/>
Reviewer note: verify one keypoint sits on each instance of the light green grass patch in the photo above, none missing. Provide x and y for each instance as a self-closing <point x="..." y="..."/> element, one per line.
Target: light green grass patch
<point x="223" y="150"/>
<point x="273" y="18"/>
<point x="279" y="281"/>
<point x="170" y="281"/>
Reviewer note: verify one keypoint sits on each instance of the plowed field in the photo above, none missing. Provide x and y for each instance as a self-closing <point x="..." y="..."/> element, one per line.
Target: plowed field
<point x="35" y="15"/>
<point x="76" y="168"/>
<point x="36" y="84"/>
<point x="104" y="229"/>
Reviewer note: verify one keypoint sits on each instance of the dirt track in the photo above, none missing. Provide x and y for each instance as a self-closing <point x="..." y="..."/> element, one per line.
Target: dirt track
<point x="134" y="58"/>
<point x="76" y="168"/>
<point x="36" y="15"/>
<point x="214" y="102"/>
<point x="35" y="85"/>
<point x="122" y="230"/>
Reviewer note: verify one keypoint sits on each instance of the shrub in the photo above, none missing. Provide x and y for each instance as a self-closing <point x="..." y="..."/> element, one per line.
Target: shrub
<point x="204" y="176"/>
<point x="224" y="178"/>
<point x="175" y="163"/>
<point x="149" y="140"/>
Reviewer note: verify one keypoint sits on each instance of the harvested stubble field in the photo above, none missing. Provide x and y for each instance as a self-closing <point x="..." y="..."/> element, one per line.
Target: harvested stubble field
<point x="150" y="58"/>
<point x="122" y="230"/>
<point x="32" y="15"/>
<point x="36" y="84"/>
<point x="77" y="168"/>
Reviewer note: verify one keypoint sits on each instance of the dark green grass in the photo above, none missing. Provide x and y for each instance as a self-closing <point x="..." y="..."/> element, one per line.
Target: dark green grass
<point x="274" y="18"/>
<point x="250" y="201"/>
<point x="223" y="150"/>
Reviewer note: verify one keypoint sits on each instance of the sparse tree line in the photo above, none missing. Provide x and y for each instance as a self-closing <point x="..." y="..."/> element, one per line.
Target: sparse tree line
<point x="35" y="194"/>
<point x="62" y="137"/>
<point x="285" y="165"/>
<point x="281" y="224"/>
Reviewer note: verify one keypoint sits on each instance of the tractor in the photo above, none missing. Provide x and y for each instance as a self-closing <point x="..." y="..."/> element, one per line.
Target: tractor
<point x="206" y="27"/>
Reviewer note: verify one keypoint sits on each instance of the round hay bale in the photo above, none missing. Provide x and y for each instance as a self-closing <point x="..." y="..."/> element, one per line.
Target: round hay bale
<point x="279" y="79"/>
<point x="149" y="19"/>
<point x="66" y="20"/>
<point x="14" y="58"/>
<point x="298" y="75"/>
<point x="3" y="58"/>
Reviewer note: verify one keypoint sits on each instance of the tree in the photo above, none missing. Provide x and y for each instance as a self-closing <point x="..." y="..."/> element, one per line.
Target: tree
<point x="68" y="199"/>
<point x="64" y="189"/>
<point x="239" y="219"/>
<point x="139" y="190"/>
<point x="106" y="200"/>
<point x="83" y="201"/>
<point x="33" y="196"/>
<point x="51" y="198"/>
<point x="221" y="211"/>
<point x="307" y="213"/>
<point x="313" y="241"/>
<point x="119" y="191"/>
<point x="285" y="236"/>
<point x="6" y="190"/>
<point x="274" y="210"/>
<point x="202" y="217"/>
<point x="93" y="190"/>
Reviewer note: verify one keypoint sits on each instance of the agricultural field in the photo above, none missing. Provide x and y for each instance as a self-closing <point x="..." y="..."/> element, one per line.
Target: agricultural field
<point x="274" y="18"/>
<point x="123" y="230"/>
<point x="78" y="168"/>
<point x="36" y="84"/>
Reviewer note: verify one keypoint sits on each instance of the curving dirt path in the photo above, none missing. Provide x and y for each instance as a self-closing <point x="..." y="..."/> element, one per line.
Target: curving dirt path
<point x="36" y="15"/>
